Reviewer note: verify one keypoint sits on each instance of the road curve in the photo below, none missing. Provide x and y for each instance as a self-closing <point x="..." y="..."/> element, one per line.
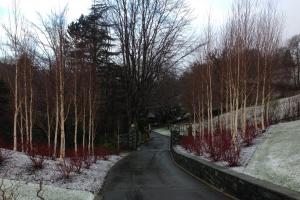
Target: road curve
<point x="150" y="174"/>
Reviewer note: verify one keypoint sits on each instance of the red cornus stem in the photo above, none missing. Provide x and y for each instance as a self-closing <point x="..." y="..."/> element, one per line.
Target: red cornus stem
<point x="219" y="145"/>
<point x="65" y="168"/>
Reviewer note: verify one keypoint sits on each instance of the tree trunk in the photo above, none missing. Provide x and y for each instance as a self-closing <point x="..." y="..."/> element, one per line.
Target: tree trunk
<point x="62" y="100"/>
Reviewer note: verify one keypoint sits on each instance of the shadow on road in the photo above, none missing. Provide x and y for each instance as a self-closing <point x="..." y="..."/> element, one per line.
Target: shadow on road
<point x="150" y="174"/>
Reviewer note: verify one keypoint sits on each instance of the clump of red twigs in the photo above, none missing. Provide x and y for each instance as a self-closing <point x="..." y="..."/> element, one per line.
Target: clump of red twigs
<point x="37" y="159"/>
<point x="77" y="163"/>
<point x="65" y="168"/>
<point x="218" y="146"/>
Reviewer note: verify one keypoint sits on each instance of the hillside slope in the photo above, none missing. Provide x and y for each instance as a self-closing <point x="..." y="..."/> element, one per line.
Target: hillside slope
<point x="277" y="159"/>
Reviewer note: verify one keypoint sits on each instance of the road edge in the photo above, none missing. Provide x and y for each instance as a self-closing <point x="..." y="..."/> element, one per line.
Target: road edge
<point x="199" y="179"/>
<point x="99" y="195"/>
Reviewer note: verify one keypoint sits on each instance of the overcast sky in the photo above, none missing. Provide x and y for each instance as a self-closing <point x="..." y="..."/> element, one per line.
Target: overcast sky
<point x="219" y="9"/>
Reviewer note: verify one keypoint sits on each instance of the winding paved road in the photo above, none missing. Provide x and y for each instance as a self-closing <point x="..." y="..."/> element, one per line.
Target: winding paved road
<point x="150" y="174"/>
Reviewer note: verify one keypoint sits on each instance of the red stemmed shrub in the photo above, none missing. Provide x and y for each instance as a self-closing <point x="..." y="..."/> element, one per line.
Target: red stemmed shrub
<point x="81" y="159"/>
<point x="218" y="143"/>
<point x="198" y="145"/>
<point x="37" y="162"/>
<point x="187" y="142"/>
<point x="77" y="163"/>
<point x="219" y="146"/>
<point x="233" y="155"/>
<point x="226" y="142"/>
<point x="37" y="159"/>
<point x="102" y="153"/>
<point x="209" y="144"/>
<point x="215" y="145"/>
<point x="65" y="168"/>
<point x="249" y="135"/>
<point x="88" y="160"/>
<point x="208" y="140"/>
<point x="77" y="159"/>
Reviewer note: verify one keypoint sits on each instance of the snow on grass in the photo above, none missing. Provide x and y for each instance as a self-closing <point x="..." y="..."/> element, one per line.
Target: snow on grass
<point x="22" y="190"/>
<point x="163" y="131"/>
<point x="277" y="159"/>
<point x="247" y="152"/>
<point x="280" y="109"/>
<point x="18" y="168"/>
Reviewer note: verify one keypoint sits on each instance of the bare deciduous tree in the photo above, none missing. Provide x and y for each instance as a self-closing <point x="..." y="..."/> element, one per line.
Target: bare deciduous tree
<point x="151" y="35"/>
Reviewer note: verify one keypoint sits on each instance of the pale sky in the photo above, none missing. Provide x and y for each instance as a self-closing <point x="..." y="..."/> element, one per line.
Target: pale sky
<point x="218" y="10"/>
<point x="30" y="8"/>
<point x="288" y="10"/>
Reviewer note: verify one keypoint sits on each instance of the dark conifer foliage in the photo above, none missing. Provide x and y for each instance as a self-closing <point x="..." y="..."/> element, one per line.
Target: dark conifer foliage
<point x="92" y="44"/>
<point x="5" y="120"/>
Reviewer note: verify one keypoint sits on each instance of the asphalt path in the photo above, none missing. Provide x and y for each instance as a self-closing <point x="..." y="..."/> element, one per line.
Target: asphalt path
<point x="151" y="174"/>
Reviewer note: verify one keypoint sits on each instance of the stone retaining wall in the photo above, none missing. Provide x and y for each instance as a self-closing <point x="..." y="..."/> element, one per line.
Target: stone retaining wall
<point x="236" y="184"/>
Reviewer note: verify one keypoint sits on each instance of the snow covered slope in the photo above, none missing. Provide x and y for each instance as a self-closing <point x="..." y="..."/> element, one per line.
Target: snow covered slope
<point x="163" y="131"/>
<point x="28" y="191"/>
<point x="280" y="109"/>
<point x="277" y="159"/>
<point x="17" y="175"/>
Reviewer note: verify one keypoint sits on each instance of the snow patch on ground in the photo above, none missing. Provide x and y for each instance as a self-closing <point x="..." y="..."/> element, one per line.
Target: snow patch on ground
<point x="18" y="168"/>
<point x="22" y="190"/>
<point x="247" y="152"/>
<point x="277" y="159"/>
<point x="280" y="109"/>
<point x="163" y="131"/>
